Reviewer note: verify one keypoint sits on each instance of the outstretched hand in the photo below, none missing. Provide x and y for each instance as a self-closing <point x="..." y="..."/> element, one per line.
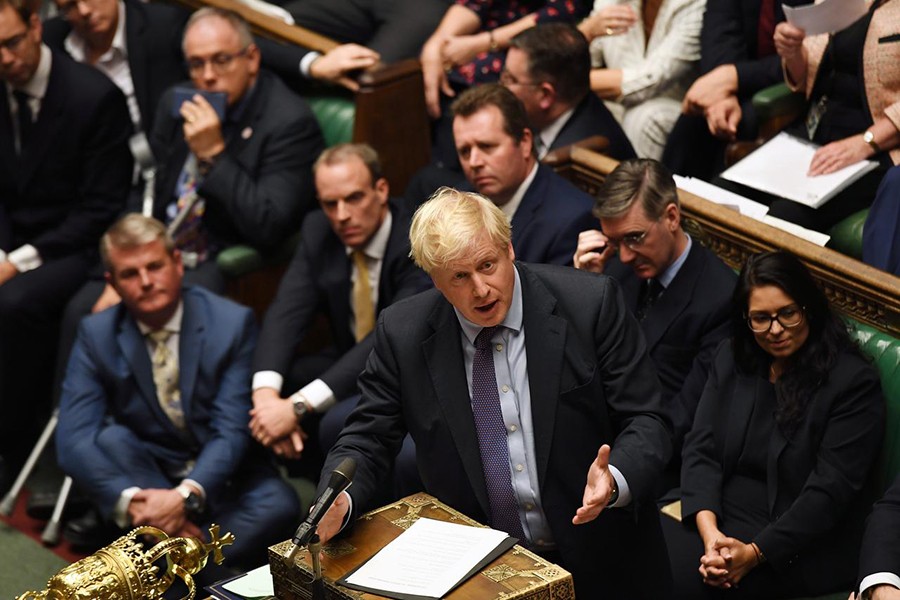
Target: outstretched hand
<point x="598" y="490"/>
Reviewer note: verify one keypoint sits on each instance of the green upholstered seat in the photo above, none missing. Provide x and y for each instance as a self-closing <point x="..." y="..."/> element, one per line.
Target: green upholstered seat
<point x="847" y="235"/>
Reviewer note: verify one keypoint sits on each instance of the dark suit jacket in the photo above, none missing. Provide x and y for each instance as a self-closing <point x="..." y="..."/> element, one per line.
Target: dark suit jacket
<point x="318" y="279"/>
<point x="880" y="552"/>
<point x="261" y="185"/>
<point x="591" y="117"/>
<point x="110" y="380"/>
<point x="153" y="37"/>
<point x="684" y="327"/>
<point x="546" y="225"/>
<point x="591" y="383"/>
<point x="729" y="36"/>
<point x="817" y="481"/>
<point x="72" y="180"/>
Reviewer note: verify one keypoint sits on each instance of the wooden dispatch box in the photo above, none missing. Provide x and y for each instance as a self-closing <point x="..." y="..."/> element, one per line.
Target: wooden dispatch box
<point x="517" y="574"/>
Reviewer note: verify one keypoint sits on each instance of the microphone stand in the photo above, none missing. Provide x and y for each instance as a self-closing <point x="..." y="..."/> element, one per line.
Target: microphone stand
<point x="318" y="584"/>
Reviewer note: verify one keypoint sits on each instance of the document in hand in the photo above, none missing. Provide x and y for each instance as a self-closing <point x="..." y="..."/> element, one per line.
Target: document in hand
<point x="780" y="166"/>
<point x="827" y="16"/>
<point x="428" y="560"/>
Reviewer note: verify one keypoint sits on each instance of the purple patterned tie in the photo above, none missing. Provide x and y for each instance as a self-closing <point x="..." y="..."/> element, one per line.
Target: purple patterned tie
<point x="492" y="438"/>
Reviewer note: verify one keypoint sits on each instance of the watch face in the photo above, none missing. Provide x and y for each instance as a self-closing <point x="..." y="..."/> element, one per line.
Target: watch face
<point x="192" y="504"/>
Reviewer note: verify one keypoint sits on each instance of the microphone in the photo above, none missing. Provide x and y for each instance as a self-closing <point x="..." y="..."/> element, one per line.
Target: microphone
<point x="339" y="481"/>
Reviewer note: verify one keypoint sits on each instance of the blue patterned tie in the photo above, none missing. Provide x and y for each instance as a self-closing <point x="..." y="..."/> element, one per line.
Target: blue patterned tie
<point x="492" y="438"/>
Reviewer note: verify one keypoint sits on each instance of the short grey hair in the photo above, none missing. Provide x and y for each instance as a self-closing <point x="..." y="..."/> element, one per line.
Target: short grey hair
<point x="641" y="179"/>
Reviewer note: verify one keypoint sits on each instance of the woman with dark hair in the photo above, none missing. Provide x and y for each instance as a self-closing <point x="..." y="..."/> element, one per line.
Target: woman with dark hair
<point x="776" y="468"/>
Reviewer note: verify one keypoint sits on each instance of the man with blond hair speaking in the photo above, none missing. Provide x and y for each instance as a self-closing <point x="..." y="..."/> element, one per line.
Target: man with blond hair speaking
<point x="530" y="398"/>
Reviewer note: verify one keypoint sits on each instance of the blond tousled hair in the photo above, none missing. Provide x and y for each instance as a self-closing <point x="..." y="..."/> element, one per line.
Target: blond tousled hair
<point x="451" y="223"/>
<point x="132" y="231"/>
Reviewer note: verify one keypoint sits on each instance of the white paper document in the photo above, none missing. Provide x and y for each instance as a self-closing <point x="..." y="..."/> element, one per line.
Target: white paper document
<point x="255" y="584"/>
<point x="816" y="237"/>
<point x="714" y="193"/>
<point x="827" y="16"/>
<point x="269" y="9"/>
<point x="780" y="166"/>
<point x="428" y="559"/>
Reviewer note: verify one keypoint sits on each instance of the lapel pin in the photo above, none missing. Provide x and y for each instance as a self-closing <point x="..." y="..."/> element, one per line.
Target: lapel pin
<point x="246" y="133"/>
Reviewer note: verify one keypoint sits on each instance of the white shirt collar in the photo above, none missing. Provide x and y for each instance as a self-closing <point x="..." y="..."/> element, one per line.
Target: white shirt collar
<point x="377" y="246"/>
<point x="669" y="274"/>
<point x="509" y="209"/>
<point x="173" y="324"/>
<point x="550" y="132"/>
<point x="76" y="45"/>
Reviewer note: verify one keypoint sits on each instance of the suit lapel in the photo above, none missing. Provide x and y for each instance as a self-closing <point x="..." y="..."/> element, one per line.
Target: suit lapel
<point x="446" y="368"/>
<point x="745" y="394"/>
<point x="48" y="122"/>
<point x="134" y="348"/>
<point x="777" y="444"/>
<point x="674" y="300"/>
<point x="524" y="217"/>
<point x="190" y="349"/>
<point x="545" y="339"/>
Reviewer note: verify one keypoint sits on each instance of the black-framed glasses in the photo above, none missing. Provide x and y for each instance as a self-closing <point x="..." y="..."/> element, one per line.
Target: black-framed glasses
<point x="788" y="317"/>
<point x="13" y="44"/>
<point x="219" y="62"/>
<point x="632" y="241"/>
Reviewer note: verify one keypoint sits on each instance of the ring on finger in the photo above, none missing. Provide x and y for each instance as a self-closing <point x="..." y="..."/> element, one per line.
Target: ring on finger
<point x="610" y="31"/>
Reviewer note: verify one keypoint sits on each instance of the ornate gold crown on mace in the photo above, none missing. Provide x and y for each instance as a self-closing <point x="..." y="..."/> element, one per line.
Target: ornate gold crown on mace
<point x="125" y="571"/>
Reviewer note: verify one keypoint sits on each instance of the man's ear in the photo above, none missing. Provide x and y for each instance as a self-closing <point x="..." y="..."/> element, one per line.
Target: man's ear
<point x="548" y="95"/>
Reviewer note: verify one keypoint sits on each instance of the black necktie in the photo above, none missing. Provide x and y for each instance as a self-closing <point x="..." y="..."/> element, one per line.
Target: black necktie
<point x="650" y="293"/>
<point x="492" y="438"/>
<point x="25" y="118"/>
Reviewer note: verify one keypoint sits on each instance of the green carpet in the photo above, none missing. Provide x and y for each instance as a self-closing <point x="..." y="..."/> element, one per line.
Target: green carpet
<point x="27" y="565"/>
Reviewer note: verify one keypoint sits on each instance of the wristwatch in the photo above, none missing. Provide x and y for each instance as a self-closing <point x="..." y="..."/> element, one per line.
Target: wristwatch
<point x="300" y="406"/>
<point x="869" y="138"/>
<point x="193" y="503"/>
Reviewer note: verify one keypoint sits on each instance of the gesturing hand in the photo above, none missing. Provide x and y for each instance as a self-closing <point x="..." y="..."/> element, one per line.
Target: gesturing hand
<point x="598" y="490"/>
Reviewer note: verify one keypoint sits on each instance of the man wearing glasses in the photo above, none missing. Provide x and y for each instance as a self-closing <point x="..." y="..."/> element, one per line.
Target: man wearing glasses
<point x="679" y="291"/>
<point x="239" y="177"/>
<point x="64" y="174"/>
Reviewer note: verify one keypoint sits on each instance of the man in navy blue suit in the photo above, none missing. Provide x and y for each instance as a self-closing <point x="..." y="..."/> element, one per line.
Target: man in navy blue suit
<point x="154" y="408"/>
<point x="496" y="150"/>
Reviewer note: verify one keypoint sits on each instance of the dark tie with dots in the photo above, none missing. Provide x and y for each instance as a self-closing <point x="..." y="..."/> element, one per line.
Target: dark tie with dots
<point x="25" y="118"/>
<point x="492" y="438"/>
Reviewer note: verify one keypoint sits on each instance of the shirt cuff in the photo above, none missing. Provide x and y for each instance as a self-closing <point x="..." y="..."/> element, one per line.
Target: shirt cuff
<point x="120" y="510"/>
<point x="267" y="379"/>
<point x="874" y="579"/>
<point x="624" y="498"/>
<point x="318" y="395"/>
<point x="25" y="258"/>
<point x="349" y="510"/>
<point x="307" y="61"/>
<point x="191" y="482"/>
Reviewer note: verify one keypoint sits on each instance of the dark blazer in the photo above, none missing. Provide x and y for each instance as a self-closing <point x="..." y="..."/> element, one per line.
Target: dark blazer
<point x="318" y="280"/>
<point x="684" y="327"/>
<point x="591" y="117"/>
<point x="261" y="185"/>
<point x="546" y="225"/>
<point x="72" y="180"/>
<point x="110" y="380"/>
<point x="153" y="37"/>
<point x="880" y="552"/>
<point x="729" y="36"/>
<point x="817" y="480"/>
<point x="591" y="383"/>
